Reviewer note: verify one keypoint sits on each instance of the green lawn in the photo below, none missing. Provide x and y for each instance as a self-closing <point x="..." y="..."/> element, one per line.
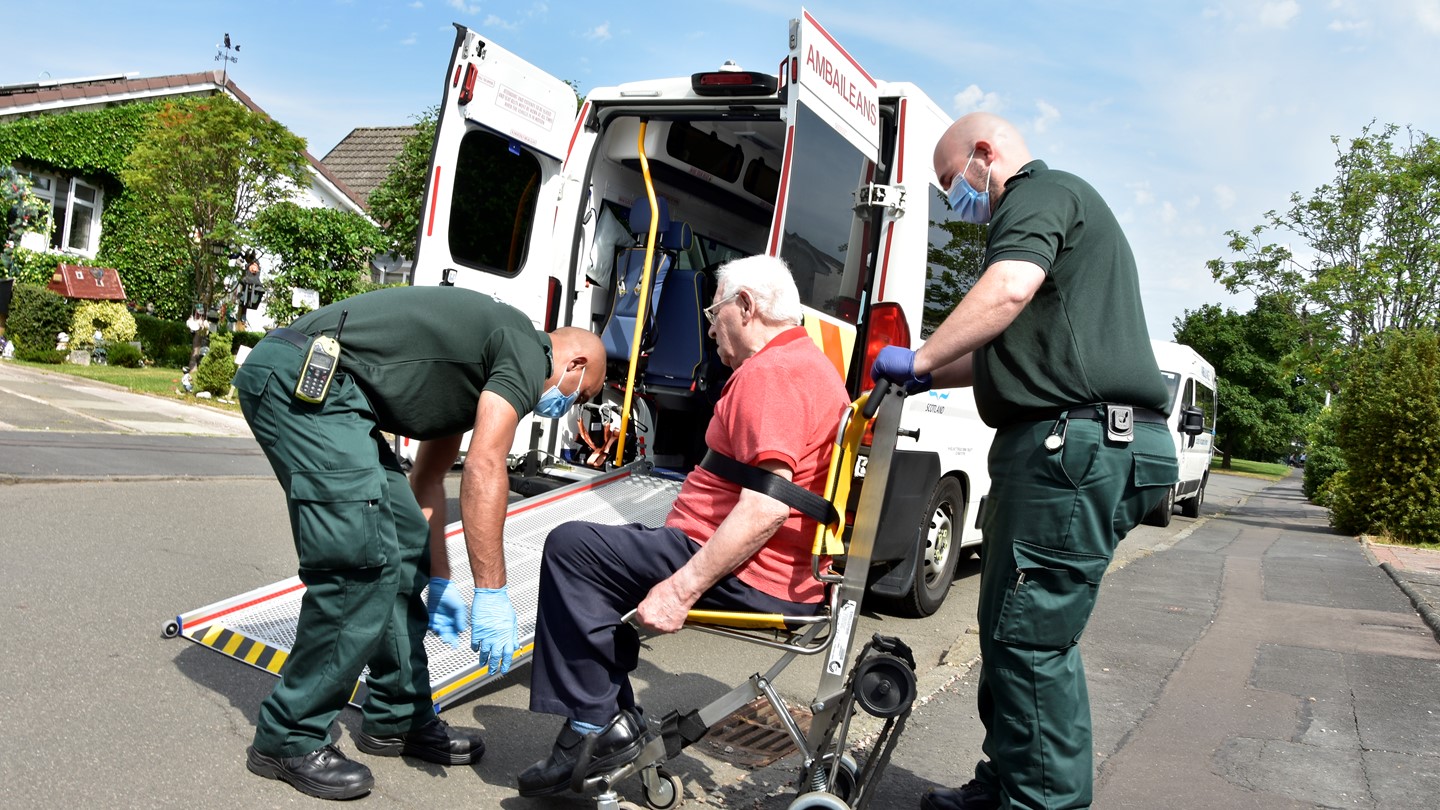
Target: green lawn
<point x="163" y="382"/>
<point x="1252" y="469"/>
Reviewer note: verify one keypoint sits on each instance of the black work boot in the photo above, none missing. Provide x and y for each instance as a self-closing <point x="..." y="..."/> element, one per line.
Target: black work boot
<point x="435" y="742"/>
<point x="324" y="773"/>
<point x="973" y="795"/>
<point x="617" y="743"/>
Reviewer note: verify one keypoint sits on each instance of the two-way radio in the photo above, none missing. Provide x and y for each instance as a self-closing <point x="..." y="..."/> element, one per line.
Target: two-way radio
<point x="320" y="365"/>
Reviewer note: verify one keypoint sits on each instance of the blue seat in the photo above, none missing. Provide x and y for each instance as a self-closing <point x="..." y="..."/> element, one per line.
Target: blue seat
<point x="681" y="345"/>
<point x="619" y="330"/>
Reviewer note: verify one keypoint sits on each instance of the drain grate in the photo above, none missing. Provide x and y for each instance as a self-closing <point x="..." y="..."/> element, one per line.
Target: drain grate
<point x="753" y="736"/>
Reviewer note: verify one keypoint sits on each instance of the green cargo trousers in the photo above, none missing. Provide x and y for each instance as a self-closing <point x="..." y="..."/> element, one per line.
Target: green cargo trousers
<point x="1051" y="523"/>
<point x="362" y="544"/>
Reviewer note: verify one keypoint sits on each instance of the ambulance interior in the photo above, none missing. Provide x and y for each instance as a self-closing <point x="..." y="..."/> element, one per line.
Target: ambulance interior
<point x="716" y="183"/>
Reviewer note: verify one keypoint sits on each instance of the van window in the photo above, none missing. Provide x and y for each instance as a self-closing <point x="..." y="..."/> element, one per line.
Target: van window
<point x="1205" y="401"/>
<point x="495" y="189"/>
<point x="1172" y="386"/>
<point x="952" y="263"/>
<point x="825" y="172"/>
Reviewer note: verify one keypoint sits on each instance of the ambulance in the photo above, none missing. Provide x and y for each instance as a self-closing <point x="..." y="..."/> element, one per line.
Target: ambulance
<point x="613" y="213"/>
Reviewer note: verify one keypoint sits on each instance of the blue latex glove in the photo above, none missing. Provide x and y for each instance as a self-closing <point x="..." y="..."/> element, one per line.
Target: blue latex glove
<point x="897" y="364"/>
<point x="493" y="628"/>
<point x="447" y="611"/>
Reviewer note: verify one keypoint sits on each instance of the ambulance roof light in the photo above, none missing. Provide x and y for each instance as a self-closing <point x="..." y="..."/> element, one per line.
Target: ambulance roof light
<point x="730" y="80"/>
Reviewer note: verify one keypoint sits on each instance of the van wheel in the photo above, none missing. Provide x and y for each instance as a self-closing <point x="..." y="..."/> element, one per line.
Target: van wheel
<point x="937" y="550"/>
<point x="1160" y="515"/>
<point x="1191" y="507"/>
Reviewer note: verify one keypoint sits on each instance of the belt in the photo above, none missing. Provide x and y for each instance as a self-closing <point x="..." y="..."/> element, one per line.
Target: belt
<point x="1097" y="412"/>
<point x="294" y="337"/>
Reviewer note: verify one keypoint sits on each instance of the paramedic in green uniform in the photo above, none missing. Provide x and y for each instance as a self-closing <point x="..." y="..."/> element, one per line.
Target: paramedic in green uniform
<point x="1053" y="339"/>
<point x="428" y="363"/>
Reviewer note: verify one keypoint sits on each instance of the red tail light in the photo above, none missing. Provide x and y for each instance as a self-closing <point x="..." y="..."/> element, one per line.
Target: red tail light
<point x="552" y="304"/>
<point x="888" y="327"/>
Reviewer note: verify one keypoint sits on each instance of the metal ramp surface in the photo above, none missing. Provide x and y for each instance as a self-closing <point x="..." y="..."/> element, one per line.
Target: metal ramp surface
<point x="258" y="627"/>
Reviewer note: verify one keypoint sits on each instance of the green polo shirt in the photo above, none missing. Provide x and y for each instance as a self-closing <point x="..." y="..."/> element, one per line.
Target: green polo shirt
<point x="422" y="355"/>
<point x="1082" y="339"/>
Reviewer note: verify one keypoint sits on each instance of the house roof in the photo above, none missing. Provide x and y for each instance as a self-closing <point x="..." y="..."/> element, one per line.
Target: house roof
<point x="364" y="157"/>
<point x="37" y="98"/>
<point x="87" y="283"/>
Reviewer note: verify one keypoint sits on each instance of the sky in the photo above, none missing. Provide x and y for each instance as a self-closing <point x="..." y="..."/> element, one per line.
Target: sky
<point x="1190" y="118"/>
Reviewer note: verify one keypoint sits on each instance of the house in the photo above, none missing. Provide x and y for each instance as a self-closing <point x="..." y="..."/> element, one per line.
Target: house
<point x="79" y="202"/>
<point x="362" y="160"/>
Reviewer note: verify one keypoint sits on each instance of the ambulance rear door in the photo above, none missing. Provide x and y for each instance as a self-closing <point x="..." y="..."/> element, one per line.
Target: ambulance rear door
<point x="821" y="226"/>
<point x="494" y="182"/>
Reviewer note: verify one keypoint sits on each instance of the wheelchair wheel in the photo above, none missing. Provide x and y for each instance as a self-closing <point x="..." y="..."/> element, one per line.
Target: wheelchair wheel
<point x="818" y="801"/>
<point x="884" y="686"/>
<point x="667" y="794"/>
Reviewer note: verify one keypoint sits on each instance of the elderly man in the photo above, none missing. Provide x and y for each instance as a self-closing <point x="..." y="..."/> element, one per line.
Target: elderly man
<point x="722" y="547"/>
<point x="1053" y="338"/>
<point x="427" y="362"/>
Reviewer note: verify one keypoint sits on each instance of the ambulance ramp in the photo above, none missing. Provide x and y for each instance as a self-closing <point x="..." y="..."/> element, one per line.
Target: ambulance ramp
<point x="258" y="627"/>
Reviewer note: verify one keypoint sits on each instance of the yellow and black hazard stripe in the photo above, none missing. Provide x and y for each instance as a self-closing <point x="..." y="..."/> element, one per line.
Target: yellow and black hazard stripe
<point x="242" y="648"/>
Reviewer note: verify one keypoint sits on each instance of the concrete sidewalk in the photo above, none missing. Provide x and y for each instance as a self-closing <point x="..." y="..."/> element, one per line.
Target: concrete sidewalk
<point x="1263" y="661"/>
<point x="1417" y="573"/>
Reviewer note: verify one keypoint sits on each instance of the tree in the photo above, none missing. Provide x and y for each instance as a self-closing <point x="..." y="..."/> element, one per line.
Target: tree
<point x="317" y="249"/>
<point x="1388" y="429"/>
<point x="399" y="199"/>
<point x="1264" y="403"/>
<point x="952" y="269"/>
<point x="1371" y="247"/>
<point x="205" y="167"/>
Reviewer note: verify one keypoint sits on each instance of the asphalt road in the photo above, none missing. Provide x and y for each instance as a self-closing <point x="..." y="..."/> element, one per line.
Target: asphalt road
<point x="107" y="537"/>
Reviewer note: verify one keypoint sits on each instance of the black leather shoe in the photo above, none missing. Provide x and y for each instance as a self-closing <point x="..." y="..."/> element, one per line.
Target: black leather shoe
<point x="973" y="795"/>
<point x="616" y="744"/>
<point x="324" y="773"/>
<point x="435" y="741"/>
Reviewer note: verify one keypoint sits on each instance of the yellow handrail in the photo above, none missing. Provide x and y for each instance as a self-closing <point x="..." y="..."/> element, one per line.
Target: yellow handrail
<point x="644" y="300"/>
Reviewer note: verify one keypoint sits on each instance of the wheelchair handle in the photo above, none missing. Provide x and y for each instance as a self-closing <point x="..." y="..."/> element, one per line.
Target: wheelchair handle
<point x="877" y="394"/>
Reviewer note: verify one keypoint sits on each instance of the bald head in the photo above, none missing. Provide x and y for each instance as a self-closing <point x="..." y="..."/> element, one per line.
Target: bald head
<point x="998" y="148"/>
<point x="574" y="349"/>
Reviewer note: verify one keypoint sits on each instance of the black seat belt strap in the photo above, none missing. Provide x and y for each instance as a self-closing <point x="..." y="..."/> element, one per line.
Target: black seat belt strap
<point x="789" y="493"/>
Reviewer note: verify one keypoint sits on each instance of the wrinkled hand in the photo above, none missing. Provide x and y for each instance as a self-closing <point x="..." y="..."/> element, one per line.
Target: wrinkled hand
<point x="493" y="630"/>
<point x="447" y="611"/>
<point x="897" y="364"/>
<point x="663" y="609"/>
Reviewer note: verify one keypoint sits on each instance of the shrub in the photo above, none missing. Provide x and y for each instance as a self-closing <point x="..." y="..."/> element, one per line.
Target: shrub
<point x="174" y="357"/>
<point x="1322" y="457"/>
<point x="247" y="339"/>
<point x="110" y="318"/>
<point x="52" y="356"/>
<point x="1388" y="429"/>
<point x="37" y="315"/>
<point x="37" y="268"/>
<point x="217" y="367"/>
<point x="157" y="336"/>
<point x="123" y="354"/>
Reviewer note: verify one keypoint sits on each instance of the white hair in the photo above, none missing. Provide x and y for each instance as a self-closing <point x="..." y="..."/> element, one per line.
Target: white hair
<point x="770" y="284"/>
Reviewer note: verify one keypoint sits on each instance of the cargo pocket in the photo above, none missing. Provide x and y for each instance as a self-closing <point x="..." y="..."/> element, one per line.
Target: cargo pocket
<point x="1049" y="597"/>
<point x="337" y="518"/>
<point x="258" y="410"/>
<point x="1155" y="471"/>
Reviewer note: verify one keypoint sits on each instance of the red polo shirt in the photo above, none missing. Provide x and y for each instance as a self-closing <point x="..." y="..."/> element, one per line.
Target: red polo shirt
<point x="781" y="404"/>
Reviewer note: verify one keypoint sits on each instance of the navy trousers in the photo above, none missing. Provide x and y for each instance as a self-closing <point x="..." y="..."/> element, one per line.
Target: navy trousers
<point x="590" y="576"/>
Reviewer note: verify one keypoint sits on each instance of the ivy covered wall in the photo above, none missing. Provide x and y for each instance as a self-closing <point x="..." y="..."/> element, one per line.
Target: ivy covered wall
<point x="94" y="144"/>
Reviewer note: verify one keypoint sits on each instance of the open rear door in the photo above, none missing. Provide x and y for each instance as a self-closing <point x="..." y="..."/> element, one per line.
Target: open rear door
<point x="831" y="145"/>
<point x="502" y="134"/>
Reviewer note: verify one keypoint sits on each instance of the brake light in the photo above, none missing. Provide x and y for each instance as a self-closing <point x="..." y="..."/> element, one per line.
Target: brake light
<point x="888" y="327"/>
<point x="552" y="304"/>
<point x="733" y="83"/>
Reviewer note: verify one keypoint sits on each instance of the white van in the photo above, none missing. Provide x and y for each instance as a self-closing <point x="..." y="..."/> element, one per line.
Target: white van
<point x="558" y="212"/>
<point x="1191" y="381"/>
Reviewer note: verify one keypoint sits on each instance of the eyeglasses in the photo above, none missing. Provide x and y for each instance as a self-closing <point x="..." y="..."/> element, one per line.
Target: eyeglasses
<point x="713" y="308"/>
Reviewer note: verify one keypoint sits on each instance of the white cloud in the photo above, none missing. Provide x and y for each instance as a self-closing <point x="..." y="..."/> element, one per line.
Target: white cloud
<point x="1345" y="26"/>
<point x="410" y="40"/>
<point x="464" y="7"/>
<point x="1143" y="194"/>
<point x="1167" y="212"/>
<point x="1279" y="14"/>
<point x="1048" y="116"/>
<point x="1224" y="196"/>
<point x="1427" y="13"/>
<point x="417" y="4"/>
<point x="599" y="33"/>
<point x="973" y="99"/>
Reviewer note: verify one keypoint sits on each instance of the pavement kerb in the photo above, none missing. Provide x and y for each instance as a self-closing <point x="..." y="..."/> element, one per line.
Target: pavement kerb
<point x="1424" y="608"/>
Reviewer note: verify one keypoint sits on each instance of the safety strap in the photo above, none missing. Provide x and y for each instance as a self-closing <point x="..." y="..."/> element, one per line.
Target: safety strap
<point x="789" y="493"/>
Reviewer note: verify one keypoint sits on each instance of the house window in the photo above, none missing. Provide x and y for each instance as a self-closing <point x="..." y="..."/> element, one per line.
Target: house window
<point x="76" y="206"/>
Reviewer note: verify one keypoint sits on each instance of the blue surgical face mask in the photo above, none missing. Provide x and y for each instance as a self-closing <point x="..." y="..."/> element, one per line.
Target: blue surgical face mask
<point x="968" y="204"/>
<point x="554" y="404"/>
